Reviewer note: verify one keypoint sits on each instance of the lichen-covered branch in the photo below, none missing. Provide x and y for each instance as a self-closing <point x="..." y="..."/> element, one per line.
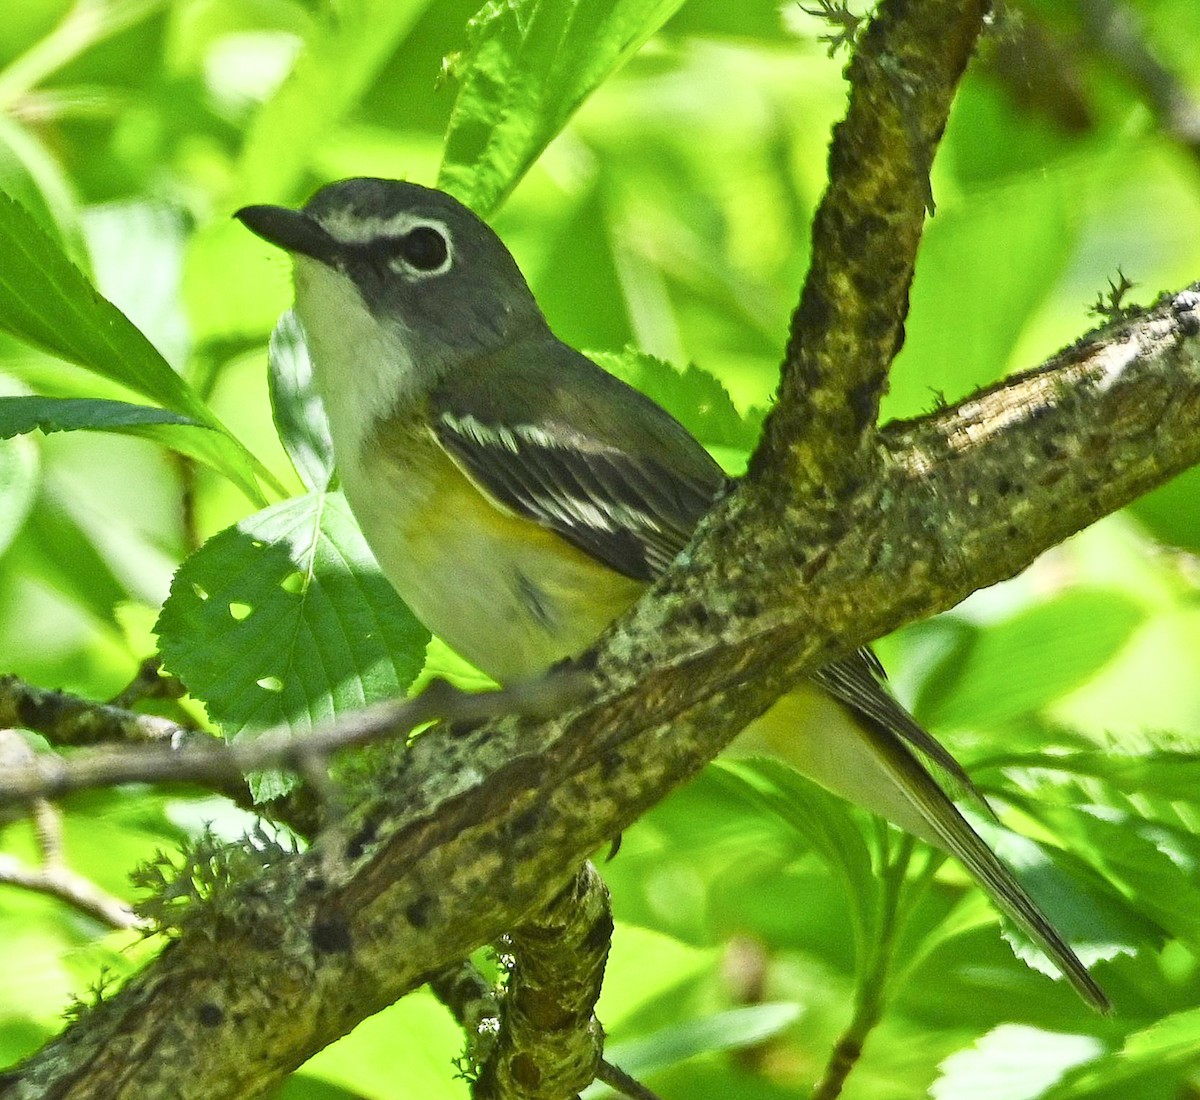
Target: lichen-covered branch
<point x="849" y="324"/>
<point x="550" y="1044"/>
<point x="67" y="720"/>
<point x="476" y="831"/>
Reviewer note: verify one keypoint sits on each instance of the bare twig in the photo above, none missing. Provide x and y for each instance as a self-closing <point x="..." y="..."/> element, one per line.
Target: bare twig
<point x="620" y="1081"/>
<point x="150" y="682"/>
<point x="68" y="720"/>
<point x="199" y="758"/>
<point x="66" y="885"/>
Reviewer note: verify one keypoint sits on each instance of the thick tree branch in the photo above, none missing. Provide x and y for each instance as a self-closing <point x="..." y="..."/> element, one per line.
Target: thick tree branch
<point x="550" y="1043"/>
<point x="850" y="320"/>
<point x="477" y="830"/>
<point x="396" y="894"/>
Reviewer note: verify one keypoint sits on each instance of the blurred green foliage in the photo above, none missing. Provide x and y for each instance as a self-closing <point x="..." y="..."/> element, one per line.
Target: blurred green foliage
<point x="669" y="212"/>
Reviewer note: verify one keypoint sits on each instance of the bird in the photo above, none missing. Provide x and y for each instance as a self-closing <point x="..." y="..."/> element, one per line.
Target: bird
<point x="520" y="498"/>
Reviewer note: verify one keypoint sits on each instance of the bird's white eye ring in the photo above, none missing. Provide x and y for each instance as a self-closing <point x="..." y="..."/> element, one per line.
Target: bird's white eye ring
<point x="423" y="248"/>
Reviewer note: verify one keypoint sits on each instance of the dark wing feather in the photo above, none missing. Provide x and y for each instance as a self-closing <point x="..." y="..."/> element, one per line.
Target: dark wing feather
<point x="610" y="471"/>
<point x="626" y="488"/>
<point x="858" y="681"/>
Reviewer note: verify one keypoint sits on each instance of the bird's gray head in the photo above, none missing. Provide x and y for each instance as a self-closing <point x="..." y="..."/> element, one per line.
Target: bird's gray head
<point x="415" y="260"/>
<point x="395" y="285"/>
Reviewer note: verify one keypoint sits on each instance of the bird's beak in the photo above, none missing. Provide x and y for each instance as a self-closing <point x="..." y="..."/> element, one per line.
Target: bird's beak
<point x="292" y="230"/>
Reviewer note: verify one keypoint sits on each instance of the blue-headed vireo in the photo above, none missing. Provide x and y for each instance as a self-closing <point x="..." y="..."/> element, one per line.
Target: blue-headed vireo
<point x="520" y="498"/>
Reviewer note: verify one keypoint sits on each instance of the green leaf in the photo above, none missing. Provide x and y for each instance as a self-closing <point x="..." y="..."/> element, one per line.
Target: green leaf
<point x="285" y="619"/>
<point x="822" y="818"/>
<point x="1018" y="666"/>
<point x="694" y="397"/>
<point x="296" y="406"/>
<point x="47" y="301"/>
<point x="1089" y="913"/>
<point x="20" y="415"/>
<point x="1012" y="1062"/>
<point x="341" y="60"/>
<point x="731" y="1030"/>
<point x="529" y="66"/>
<point x="1171" y="1042"/>
<point x="18" y="487"/>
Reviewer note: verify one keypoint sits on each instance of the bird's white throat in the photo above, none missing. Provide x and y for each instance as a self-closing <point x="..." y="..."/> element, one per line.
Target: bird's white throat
<point x="363" y="368"/>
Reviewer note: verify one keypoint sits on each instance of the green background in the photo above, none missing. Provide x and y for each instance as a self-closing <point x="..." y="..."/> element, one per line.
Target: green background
<point x="670" y="212"/>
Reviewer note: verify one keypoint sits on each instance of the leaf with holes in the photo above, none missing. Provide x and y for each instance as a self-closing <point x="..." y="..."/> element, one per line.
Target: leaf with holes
<point x="285" y="619"/>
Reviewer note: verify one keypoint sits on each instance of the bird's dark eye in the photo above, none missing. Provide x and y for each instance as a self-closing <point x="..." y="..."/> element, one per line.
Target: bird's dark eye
<point x="423" y="248"/>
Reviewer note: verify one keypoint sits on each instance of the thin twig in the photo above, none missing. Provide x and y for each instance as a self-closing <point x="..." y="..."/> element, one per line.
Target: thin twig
<point x="68" y="886"/>
<point x="198" y="758"/>
<point x="620" y="1081"/>
<point x="69" y="720"/>
<point x="150" y="682"/>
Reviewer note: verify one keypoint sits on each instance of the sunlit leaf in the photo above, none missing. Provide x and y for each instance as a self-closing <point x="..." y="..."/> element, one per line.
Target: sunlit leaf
<point x="296" y="406"/>
<point x="694" y="397"/>
<point x="1170" y="1043"/>
<point x="1012" y="1062"/>
<point x="285" y="619"/>
<point x="528" y="67"/>
<point x="47" y="301"/>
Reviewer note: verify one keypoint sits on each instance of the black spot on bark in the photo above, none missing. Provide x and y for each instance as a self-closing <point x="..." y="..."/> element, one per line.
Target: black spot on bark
<point x="210" y="1015"/>
<point x="420" y="911"/>
<point x="331" y="937"/>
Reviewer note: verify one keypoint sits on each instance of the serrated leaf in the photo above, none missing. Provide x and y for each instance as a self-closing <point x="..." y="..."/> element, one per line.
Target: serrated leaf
<point x="1159" y="774"/>
<point x="285" y="619"/>
<point x="1012" y="1062"/>
<point x="1089" y="913"/>
<point x="1027" y="662"/>
<point x="1152" y="863"/>
<point x="296" y="406"/>
<point x="47" y="301"/>
<point x="1173" y="1041"/>
<point x="529" y="65"/>
<point x="34" y="178"/>
<point x="697" y="399"/>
